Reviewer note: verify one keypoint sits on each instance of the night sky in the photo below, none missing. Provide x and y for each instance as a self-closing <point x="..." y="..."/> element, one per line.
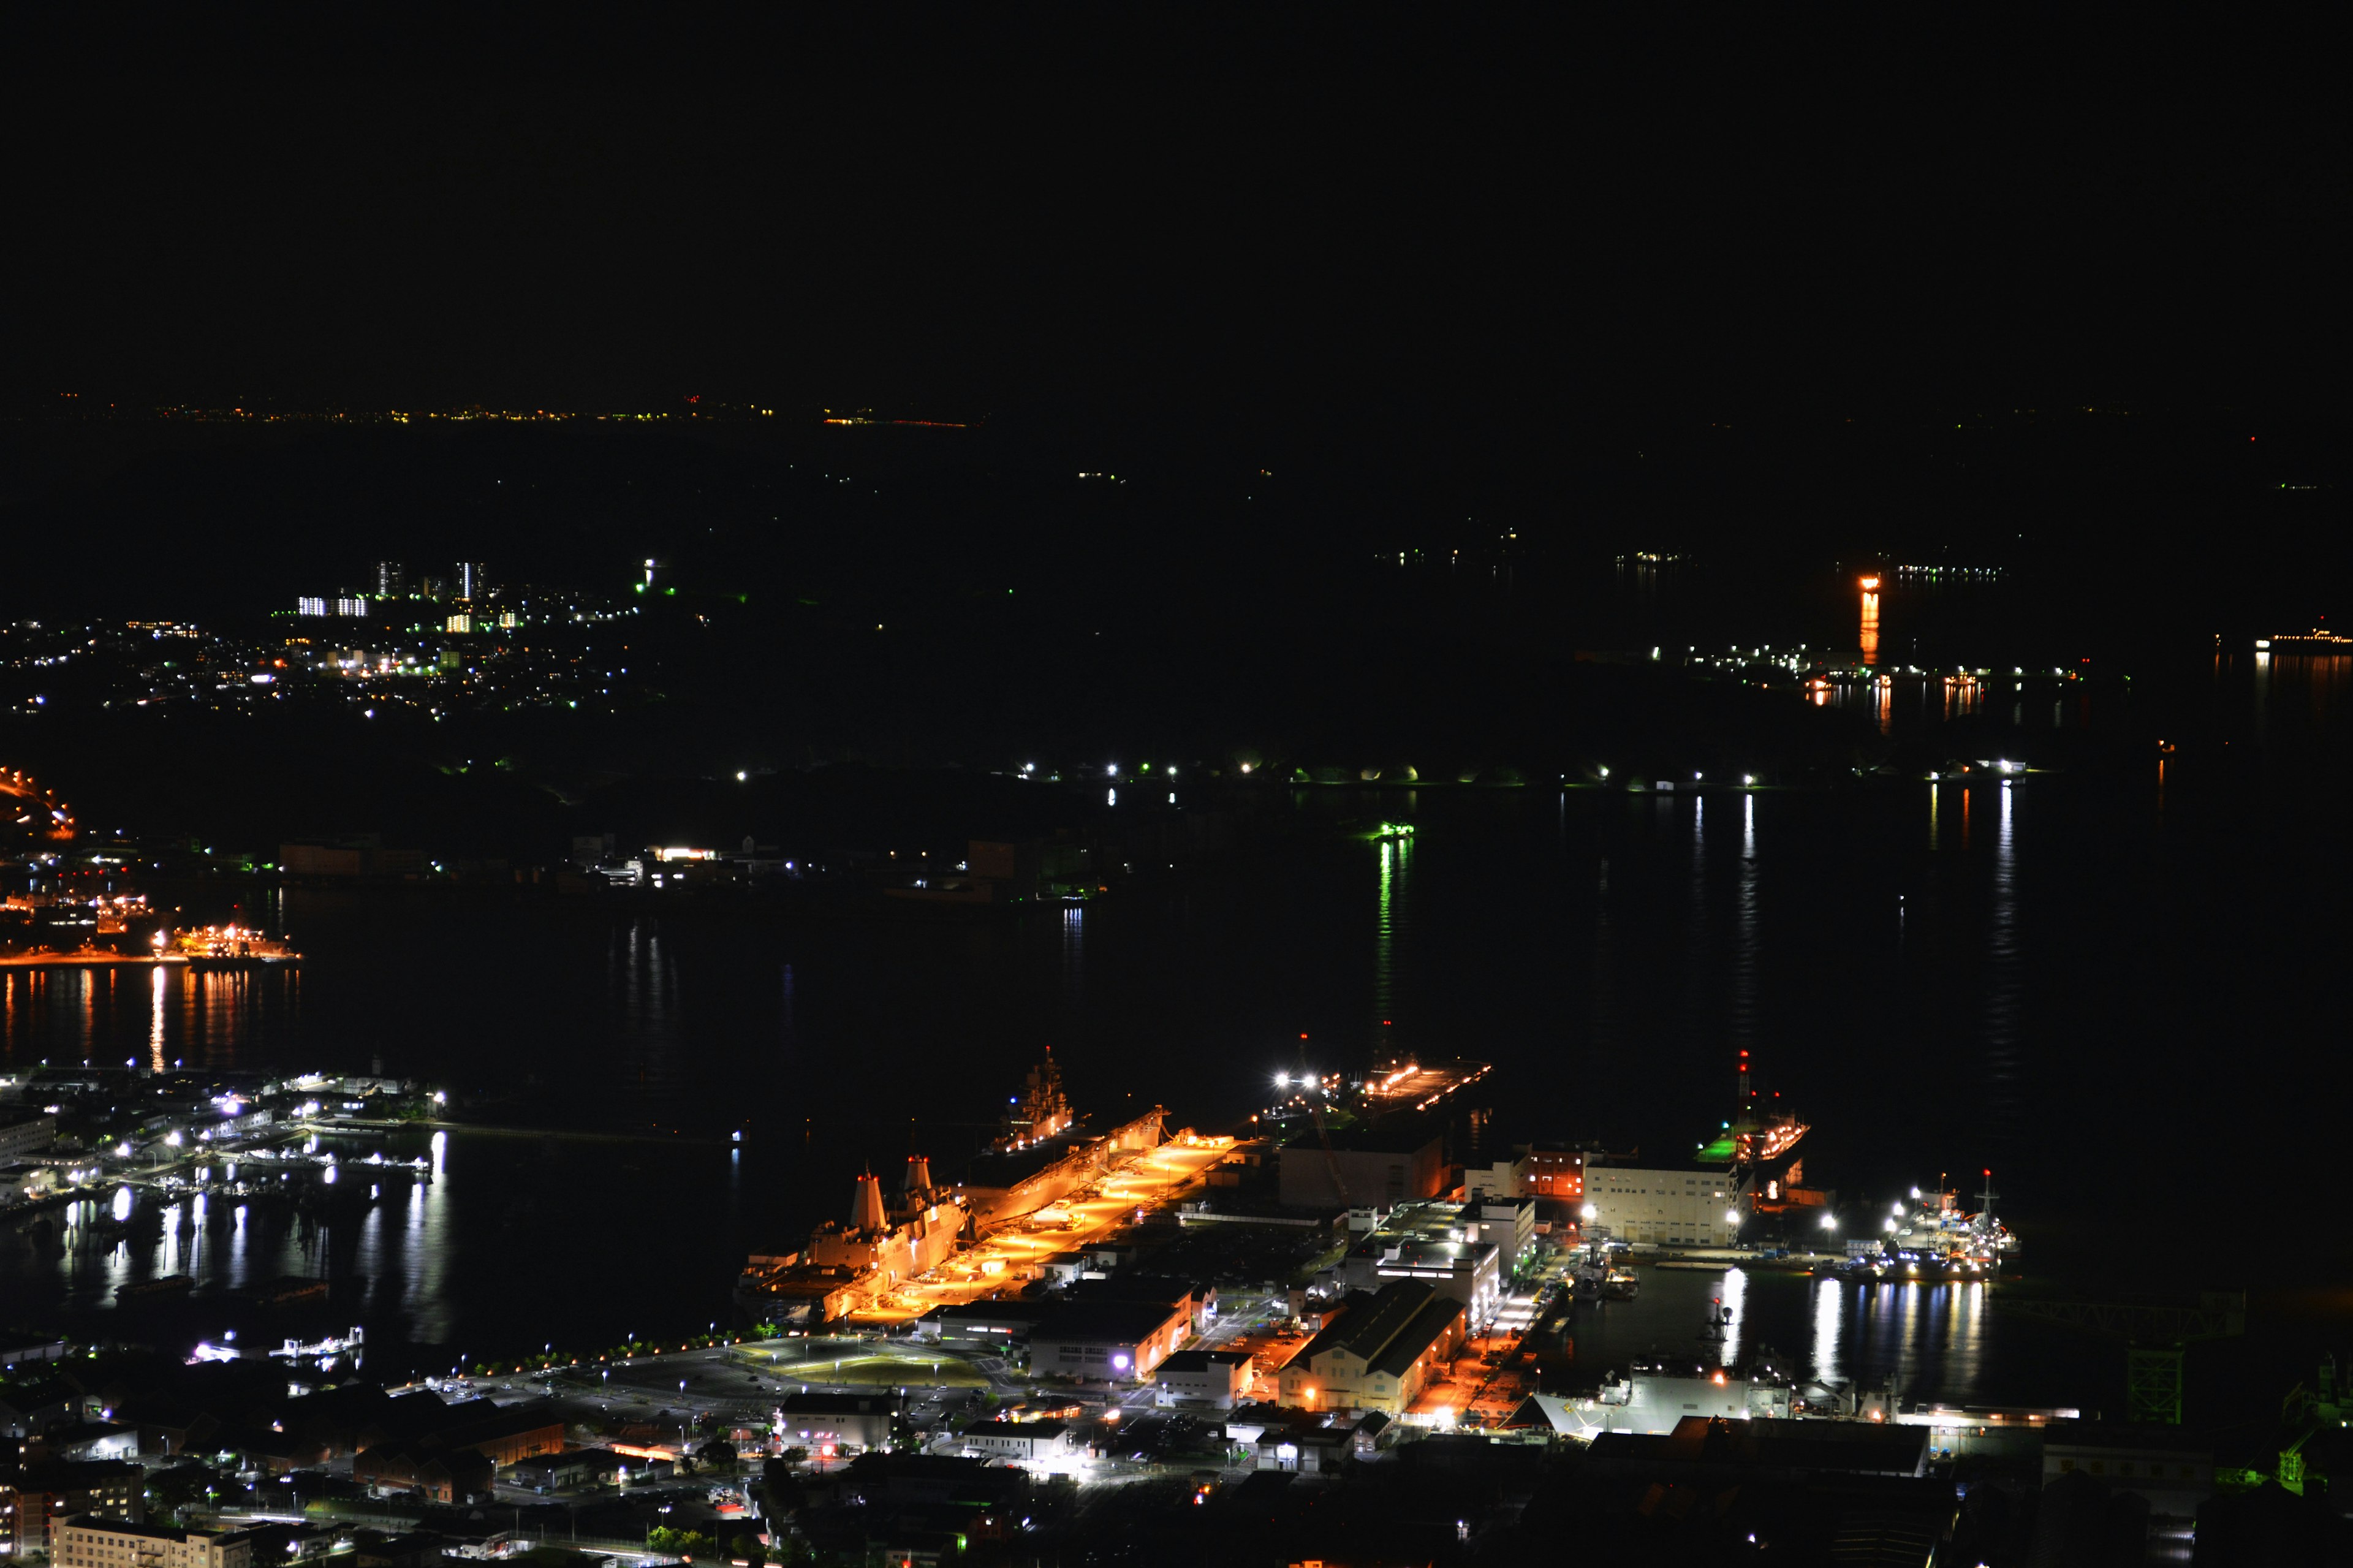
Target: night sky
<point x="1358" y="236"/>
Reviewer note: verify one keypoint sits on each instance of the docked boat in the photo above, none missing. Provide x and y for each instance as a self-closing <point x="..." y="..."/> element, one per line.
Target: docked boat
<point x="161" y="1289"/>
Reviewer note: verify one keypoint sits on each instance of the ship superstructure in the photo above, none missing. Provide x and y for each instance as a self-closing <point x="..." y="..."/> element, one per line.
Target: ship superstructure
<point x="1936" y="1230"/>
<point x="853" y="1265"/>
<point x="1040" y="1111"/>
<point x="1761" y="1131"/>
<point x="911" y="1233"/>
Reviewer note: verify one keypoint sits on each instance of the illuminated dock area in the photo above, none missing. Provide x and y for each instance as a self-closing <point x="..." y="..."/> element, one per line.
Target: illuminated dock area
<point x="1417" y="1086"/>
<point x="1008" y="1257"/>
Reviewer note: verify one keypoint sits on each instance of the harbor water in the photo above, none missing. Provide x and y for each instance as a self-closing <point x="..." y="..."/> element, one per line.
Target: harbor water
<point x="2111" y="986"/>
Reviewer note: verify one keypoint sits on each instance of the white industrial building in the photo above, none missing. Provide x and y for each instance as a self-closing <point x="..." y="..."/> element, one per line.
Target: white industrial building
<point x="1662" y="1208"/>
<point x="1211" y="1377"/>
<point x="1022" y="1442"/>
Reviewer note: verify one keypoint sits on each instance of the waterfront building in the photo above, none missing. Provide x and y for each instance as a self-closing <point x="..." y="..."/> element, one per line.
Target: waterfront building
<point x="1392" y="1163"/>
<point x="1646" y="1401"/>
<point x="1507" y="1225"/>
<point x="2172" y="1468"/>
<point x="1377" y="1352"/>
<point x="21" y="1135"/>
<point x="97" y="1540"/>
<point x="1688" y="1207"/>
<point x="1555" y="1171"/>
<point x="1501" y="1180"/>
<point x="1112" y="1341"/>
<point x="1469" y="1272"/>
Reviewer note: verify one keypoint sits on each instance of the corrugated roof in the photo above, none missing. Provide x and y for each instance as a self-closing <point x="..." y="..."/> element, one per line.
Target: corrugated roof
<point x="1418" y="1335"/>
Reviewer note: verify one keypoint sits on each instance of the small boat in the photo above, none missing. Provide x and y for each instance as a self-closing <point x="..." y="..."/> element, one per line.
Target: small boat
<point x="1620" y="1285"/>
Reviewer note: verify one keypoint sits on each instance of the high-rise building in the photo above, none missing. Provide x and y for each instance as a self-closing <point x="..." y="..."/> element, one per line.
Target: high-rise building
<point x="473" y="580"/>
<point x="435" y="587"/>
<point x="391" y="580"/>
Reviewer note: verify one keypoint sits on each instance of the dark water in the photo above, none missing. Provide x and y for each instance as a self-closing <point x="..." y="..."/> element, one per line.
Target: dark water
<point x="2121" y="988"/>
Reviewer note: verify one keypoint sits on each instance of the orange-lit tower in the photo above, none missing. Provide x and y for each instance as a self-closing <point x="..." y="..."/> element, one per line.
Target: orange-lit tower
<point x="866" y="1204"/>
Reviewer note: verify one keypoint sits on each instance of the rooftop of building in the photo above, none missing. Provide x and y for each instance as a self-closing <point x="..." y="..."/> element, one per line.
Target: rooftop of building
<point x="1306" y="1437"/>
<point x="1106" y="1322"/>
<point x="1202" y="1360"/>
<point x="996" y="1311"/>
<point x="1421" y="1331"/>
<point x="112" y="1526"/>
<point x="1366" y="1322"/>
<point x="1402" y="1136"/>
<point x="1422" y="1251"/>
<point x="2140" y="1435"/>
<point x="1606" y="1174"/>
<point x="1149" y="1287"/>
<point x="569" y="1458"/>
<point x="74" y="1474"/>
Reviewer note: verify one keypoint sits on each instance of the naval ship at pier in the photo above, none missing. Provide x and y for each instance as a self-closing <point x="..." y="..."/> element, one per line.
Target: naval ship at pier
<point x="1042" y="1153"/>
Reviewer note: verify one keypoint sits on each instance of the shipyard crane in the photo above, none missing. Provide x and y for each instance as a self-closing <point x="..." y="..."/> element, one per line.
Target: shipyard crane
<point x="2155" y="1337"/>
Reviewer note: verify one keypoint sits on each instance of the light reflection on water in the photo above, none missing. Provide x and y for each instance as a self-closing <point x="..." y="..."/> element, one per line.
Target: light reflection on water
<point x="1608" y="957"/>
<point x="2004" y="985"/>
<point x="104" y="1018"/>
<point x="1736" y="1305"/>
<point x="1930" y="1342"/>
<point x="1829" y="1316"/>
